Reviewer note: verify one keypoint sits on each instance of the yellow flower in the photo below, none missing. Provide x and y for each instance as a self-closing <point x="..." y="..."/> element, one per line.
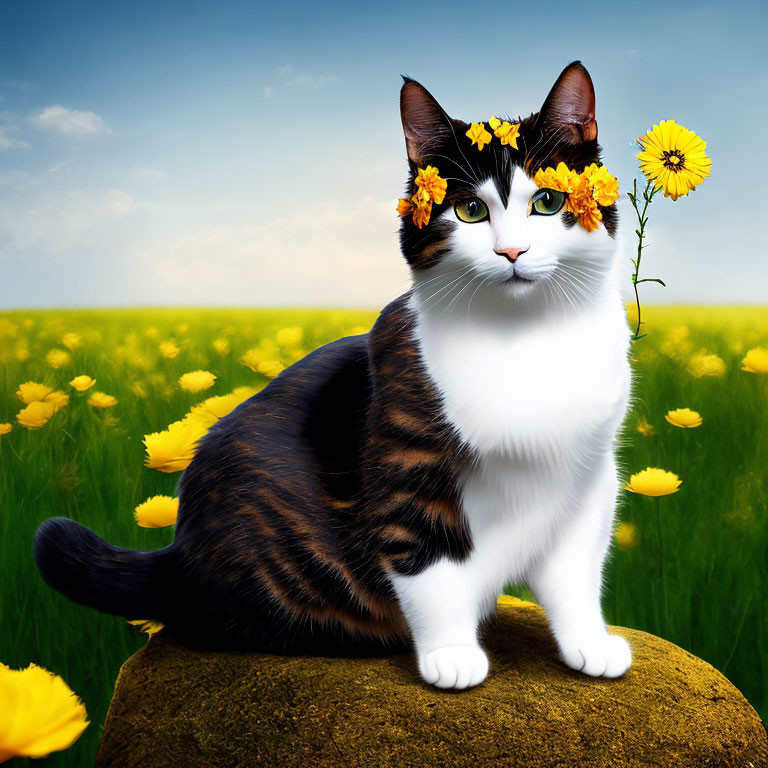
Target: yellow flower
<point x="71" y="341"/>
<point x="270" y="368"/>
<point x="626" y="535"/>
<point x="152" y="332"/>
<point x="221" y="346"/>
<point x="507" y="133"/>
<point x="429" y="181"/>
<point x="677" y="343"/>
<point x="197" y="381"/>
<point x="645" y="428"/>
<point x="684" y="417"/>
<point x="654" y="482"/>
<point x="673" y="158"/>
<point x="479" y="135"/>
<point x="404" y="207"/>
<point x="252" y="358"/>
<point x="157" y="512"/>
<point x="5" y="428"/>
<point x="81" y="383"/>
<point x="147" y="626"/>
<point x="32" y="392"/>
<point x="706" y="365"/>
<point x="22" y="355"/>
<point x="603" y="185"/>
<point x="182" y="328"/>
<point x="290" y="337"/>
<point x="39" y="713"/>
<point x="100" y="400"/>
<point x="57" y="358"/>
<point x="35" y="414"/>
<point x="58" y="399"/>
<point x="514" y="602"/>
<point x="169" y="349"/>
<point x="422" y="213"/>
<point x="244" y="393"/>
<point x="756" y="360"/>
<point x="173" y="449"/>
<point x="138" y="389"/>
<point x="217" y="407"/>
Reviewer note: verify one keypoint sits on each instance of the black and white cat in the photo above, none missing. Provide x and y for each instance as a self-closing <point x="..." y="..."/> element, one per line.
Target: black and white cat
<point x="383" y="490"/>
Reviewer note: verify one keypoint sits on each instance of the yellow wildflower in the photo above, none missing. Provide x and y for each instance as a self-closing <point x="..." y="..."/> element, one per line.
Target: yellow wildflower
<point x="626" y="535"/>
<point x="22" y="354"/>
<point x="169" y="349"/>
<point x="182" y="328"/>
<point x="654" y="482"/>
<point x="32" y="392"/>
<point x="254" y="357"/>
<point x="645" y="428"/>
<point x="57" y="358"/>
<point x="71" y="341"/>
<point x="138" y="389"/>
<point x="39" y="713"/>
<point x="684" y="417"/>
<point x="197" y="381"/>
<point x="221" y="346"/>
<point x="218" y="406"/>
<point x="506" y="132"/>
<point x="290" y="337"/>
<point x="35" y="415"/>
<point x="270" y="368"/>
<point x="479" y="135"/>
<point x="756" y="360"/>
<point x="673" y="157"/>
<point x="706" y="365"/>
<point x="422" y="213"/>
<point x="152" y="332"/>
<point x="404" y="207"/>
<point x="101" y="400"/>
<point x="5" y="428"/>
<point x="677" y="343"/>
<point x="429" y="181"/>
<point x="81" y="383"/>
<point x="157" y="512"/>
<point x="244" y="393"/>
<point x="58" y="399"/>
<point x="147" y="626"/>
<point x="603" y="185"/>
<point x="173" y="449"/>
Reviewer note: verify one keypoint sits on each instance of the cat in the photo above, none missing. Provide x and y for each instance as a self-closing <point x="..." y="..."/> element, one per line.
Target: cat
<point x="379" y="493"/>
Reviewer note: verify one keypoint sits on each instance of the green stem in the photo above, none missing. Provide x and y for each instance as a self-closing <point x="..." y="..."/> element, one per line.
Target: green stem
<point x="663" y="570"/>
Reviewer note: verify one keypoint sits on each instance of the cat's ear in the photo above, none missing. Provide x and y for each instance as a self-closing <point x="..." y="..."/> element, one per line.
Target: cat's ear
<point x="570" y="106"/>
<point x="425" y="123"/>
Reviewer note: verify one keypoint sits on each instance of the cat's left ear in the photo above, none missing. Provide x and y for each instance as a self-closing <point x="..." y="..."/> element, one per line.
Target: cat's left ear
<point x="570" y="106"/>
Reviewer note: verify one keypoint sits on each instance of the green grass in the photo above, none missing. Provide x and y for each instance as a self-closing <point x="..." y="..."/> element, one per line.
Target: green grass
<point x="708" y="593"/>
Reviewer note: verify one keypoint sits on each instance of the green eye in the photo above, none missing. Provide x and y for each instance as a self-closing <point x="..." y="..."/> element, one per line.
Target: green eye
<point x="547" y="201"/>
<point x="472" y="211"/>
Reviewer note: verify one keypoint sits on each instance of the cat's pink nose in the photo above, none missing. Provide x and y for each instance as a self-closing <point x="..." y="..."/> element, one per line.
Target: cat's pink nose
<point x="512" y="253"/>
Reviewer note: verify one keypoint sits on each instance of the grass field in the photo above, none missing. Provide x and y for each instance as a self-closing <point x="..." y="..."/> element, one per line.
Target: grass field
<point x="698" y="578"/>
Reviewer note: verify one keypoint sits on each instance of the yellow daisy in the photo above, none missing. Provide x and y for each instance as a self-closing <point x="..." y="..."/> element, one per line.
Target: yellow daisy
<point x="36" y="414"/>
<point x="81" y="383"/>
<point x="197" y="381"/>
<point x="58" y="399"/>
<point x="169" y="349"/>
<point x="626" y="535"/>
<point x="479" y="135"/>
<point x="101" y="400"/>
<point x="32" y="392"/>
<point x="57" y="358"/>
<point x="292" y="337"/>
<point x="157" y="512"/>
<point x="755" y="361"/>
<point x="645" y="428"/>
<point x="684" y="417"/>
<point x="654" y="482"/>
<point x="706" y="365"/>
<point x="5" y="428"/>
<point x="673" y="158"/>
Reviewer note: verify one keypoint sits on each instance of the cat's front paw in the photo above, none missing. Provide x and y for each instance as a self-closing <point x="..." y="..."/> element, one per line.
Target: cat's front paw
<point x="601" y="656"/>
<point x="454" y="666"/>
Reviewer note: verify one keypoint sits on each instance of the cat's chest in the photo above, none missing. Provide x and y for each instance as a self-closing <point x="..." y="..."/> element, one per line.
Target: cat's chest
<point x="546" y="388"/>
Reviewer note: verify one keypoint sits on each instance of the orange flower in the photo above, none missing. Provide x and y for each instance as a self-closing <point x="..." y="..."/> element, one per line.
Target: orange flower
<point x="430" y="188"/>
<point x="430" y="182"/>
<point x="507" y="133"/>
<point x="479" y="135"/>
<point x="404" y="207"/>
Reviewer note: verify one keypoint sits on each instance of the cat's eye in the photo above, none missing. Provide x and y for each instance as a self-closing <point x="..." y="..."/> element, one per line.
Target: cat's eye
<point x="547" y="202"/>
<point x="472" y="211"/>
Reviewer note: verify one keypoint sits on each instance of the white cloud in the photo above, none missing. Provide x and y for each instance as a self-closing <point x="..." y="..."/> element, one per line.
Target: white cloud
<point x="9" y="139"/>
<point x="16" y="179"/>
<point x="72" y="121"/>
<point x="148" y="172"/>
<point x="287" y="78"/>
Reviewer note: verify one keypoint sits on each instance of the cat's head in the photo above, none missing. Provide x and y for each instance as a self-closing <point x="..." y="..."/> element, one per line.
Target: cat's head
<point x="496" y="231"/>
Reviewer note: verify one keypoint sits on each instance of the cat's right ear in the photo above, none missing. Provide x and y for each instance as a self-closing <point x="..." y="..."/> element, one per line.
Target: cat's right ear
<point x="425" y="123"/>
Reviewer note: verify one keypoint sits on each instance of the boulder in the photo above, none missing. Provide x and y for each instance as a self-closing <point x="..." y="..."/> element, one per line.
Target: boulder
<point x="175" y="707"/>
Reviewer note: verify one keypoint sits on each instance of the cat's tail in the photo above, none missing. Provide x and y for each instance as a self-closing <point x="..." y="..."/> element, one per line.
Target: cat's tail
<point x="90" y="571"/>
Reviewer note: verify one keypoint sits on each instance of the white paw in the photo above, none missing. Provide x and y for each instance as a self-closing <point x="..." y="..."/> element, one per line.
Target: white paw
<point x="602" y="656"/>
<point x="454" y="666"/>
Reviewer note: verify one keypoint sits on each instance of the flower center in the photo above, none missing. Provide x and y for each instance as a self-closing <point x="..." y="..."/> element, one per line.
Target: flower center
<point x="674" y="160"/>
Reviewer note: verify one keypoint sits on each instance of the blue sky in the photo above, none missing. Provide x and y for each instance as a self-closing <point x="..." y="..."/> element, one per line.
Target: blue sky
<point x="200" y="153"/>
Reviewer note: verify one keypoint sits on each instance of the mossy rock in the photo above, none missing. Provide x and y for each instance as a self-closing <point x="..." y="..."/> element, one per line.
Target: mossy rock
<point x="175" y="707"/>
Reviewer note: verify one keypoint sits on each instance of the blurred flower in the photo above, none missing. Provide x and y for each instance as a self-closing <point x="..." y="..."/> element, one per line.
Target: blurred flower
<point x="270" y="368"/>
<point x="100" y="400"/>
<point x="32" y="392"/>
<point x="71" y="341"/>
<point x="684" y="417"/>
<point x="151" y="332"/>
<point x="197" y="381"/>
<point x="357" y="330"/>
<point x="626" y="535"/>
<point x="39" y="713"/>
<point x="182" y="328"/>
<point x="173" y="449"/>
<point x="221" y="346"/>
<point x="35" y="415"/>
<point x="673" y="157"/>
<point x="157" y="512"/>
<point x="58" y="399"/>
<point x="81" y="383"/>
<point x="22" y="354"/>
<point x="169" y="349"/>
<point x="138" y="389"/>
<point x="290" y="337"/>
<point x="5" y="428"/>
<point x="645" y="428"/>
<point x="147" y="626"/>
<point x="755" y="361"/>
<point x="706" y="365"/>
<point x="677" y="343"/>
<point x="57" y="358"/>
<point x="654" y="482"/>
<point x="244" y="393"/>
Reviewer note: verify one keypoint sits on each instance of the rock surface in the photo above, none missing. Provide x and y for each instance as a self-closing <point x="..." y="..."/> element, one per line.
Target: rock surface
<point x="175" y="707"/>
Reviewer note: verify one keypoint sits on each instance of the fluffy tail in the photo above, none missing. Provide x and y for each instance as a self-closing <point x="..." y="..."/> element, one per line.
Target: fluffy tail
<point x="88" y="570"/>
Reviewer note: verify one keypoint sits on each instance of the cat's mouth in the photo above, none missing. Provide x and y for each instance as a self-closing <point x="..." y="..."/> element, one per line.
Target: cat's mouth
<point x="516" y="276"/>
